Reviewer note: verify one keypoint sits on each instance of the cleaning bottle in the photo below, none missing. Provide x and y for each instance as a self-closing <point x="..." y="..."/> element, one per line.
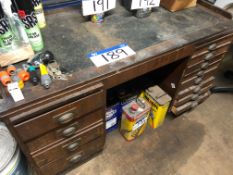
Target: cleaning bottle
<point x="38" y="7"/>
<point x="27" y="14"/>
<point x="7" y="38"/>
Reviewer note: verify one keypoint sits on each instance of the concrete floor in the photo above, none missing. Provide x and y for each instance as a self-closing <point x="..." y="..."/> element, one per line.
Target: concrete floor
<point x="199" y="142"/>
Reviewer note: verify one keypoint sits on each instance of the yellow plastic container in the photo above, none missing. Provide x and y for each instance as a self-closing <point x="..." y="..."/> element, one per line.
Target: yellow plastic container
<point x="160" y="102"/>
<point x="134" y="118"/>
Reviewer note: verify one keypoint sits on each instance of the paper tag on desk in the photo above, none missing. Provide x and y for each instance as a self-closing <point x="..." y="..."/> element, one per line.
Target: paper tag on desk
<point x="15" y="91"/>
<point x="91" y="7"/>
<point x="140" y="4"/>
<point x="110" y="55"/>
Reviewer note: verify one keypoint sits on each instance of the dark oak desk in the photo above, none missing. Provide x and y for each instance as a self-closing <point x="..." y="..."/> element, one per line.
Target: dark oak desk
<point x="65" y="125"/>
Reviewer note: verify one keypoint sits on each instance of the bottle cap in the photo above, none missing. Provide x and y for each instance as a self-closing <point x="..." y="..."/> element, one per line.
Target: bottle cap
<point x="25" y="7"/>
<point x="134" y="107"/>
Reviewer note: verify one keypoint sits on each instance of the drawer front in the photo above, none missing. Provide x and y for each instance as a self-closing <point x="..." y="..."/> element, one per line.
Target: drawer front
<point x="60" y="116"/>
<point x="198" y="59"/>
<point x="215" y="44"/>
<point x="192" y="97"/>
<point x="69" y="146"/>
<point x="60" y="165"/>
<point x="69" y="131"/>
<point x="195" y="89"/>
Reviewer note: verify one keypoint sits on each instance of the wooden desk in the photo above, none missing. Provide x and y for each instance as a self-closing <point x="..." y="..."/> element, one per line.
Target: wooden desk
<point x="65" y="125"/>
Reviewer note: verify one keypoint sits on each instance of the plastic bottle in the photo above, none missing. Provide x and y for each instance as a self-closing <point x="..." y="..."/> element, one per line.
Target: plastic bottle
<point x="38" y="7"/>
<point x="7" y="38"/>
<point x="27" y="14"/>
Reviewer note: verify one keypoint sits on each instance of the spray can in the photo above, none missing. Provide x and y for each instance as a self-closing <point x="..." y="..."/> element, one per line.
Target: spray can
<point x="27" y="14"/>
<point x="134" y="118"/>
<point x="98" y="18"/>
<point x="38" y="7"/>
<point x="7" y="38"/>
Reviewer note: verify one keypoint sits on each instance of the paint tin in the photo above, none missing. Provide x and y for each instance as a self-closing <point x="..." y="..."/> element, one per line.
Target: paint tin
<point x="113" y="114"/>
<point x="98" y="18"/>
<point x="134" y="118"/>
<point x="160" y="102"/>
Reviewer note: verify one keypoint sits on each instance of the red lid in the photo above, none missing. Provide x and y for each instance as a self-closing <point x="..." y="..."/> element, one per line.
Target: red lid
<point x="134" y="107"/>
<point x="21" y="13"/>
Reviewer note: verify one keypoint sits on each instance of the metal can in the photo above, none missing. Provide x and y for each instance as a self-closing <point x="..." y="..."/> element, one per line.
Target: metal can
<point x="160" y="102"/>
<point x="134" y="118"/>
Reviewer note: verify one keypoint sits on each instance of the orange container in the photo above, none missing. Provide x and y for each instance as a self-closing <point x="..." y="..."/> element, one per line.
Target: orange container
<point x="23" y="75"/>
<point x="11" y="70"/>
<point x="5" y="78"/>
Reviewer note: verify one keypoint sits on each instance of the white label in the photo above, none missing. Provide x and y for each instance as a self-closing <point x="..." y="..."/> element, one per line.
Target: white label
<point x="15" y="91"/>
<point x="110" y="55"/>
<point x="91" y="7"/>
<point x="141" y="4"/>
<point x="139" y="123"/>
<point x="111" y="123"/>
<point x="173" y="85"/>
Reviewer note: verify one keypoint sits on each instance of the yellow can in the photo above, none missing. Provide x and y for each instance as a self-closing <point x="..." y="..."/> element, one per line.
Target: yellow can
<point x="160" y="102"/>
<point x="134" y="118"/>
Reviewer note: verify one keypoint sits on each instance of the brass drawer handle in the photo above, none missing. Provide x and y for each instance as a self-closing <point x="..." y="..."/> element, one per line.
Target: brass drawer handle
<point x="198" y="81"/>
<point x="69" y="131"/>
<point x="75" y="158"/>
<point x="73" y="146"/>
<point x="200" y="73"/>
<point x="209" y="57"/>
<point x="197" y="89"/>
<point x="204" y="66"/>
<point x="212" y="47"/>
<point x="195" y="97"/>
<point x="66" y="118"/>
<point x="194" y="104"/>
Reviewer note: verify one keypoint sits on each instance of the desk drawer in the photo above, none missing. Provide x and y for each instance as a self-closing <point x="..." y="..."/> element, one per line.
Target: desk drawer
<point x="192" y="96"/>
<point x="189" y="105"/>
<point x="69" y="146"/>
<point x="60" y="165"/>
<point x="59" y="117"/>
<point x="214" y="45"/>
<point x="58" y="135"/>
<point x="198" y="59"/>
<point x="195" y="89"/>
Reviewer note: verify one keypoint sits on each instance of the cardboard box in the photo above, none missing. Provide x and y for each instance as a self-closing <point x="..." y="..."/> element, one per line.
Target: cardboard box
<point x="175" y="5"/>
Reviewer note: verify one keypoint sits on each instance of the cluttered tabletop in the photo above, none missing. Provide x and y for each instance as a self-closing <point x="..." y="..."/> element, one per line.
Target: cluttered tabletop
<point x="71" y="37"/>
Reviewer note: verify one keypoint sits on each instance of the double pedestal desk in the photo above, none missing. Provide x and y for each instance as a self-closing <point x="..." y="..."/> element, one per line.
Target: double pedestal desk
<point x="64" y="126"/>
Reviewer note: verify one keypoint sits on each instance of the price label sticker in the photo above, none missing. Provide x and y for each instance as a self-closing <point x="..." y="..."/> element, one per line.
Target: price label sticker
<point x="91" y="7"/>
<point x="140" y="4"/>
<point x="15" y="91"/>
<point x="110" y="55"/>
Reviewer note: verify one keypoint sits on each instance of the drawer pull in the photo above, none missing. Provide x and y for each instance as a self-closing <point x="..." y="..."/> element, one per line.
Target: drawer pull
<point x="209" y="57"/>
<point x="75" y="158"/>
<point x="69" y="131"/>
<point x="197" y="89"/>
<point x="198" y="81"/>
<point x="194" y="104"/>
<point x="73" y="146"/>
<point x="204" y="66"/>
<point x="66" y="118"/>
<point x="195" y="97"/>
<point x="212" y="47"/>
<point x="200" y="73"/>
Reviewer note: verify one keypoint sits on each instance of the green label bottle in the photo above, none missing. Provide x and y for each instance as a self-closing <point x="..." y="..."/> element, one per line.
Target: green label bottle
<point x="28" y="17"/>
<point x="7" y="38"/>
<point x="38" y="7"/>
